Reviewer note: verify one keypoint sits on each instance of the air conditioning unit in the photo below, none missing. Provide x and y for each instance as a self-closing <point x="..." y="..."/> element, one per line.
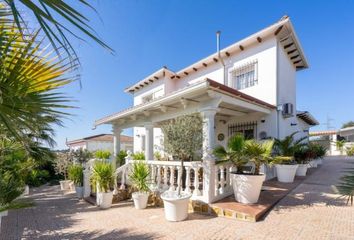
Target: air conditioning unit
<point x="288" y="110"/>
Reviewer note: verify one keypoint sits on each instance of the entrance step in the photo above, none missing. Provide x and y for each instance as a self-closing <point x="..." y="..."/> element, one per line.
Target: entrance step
<point x="272" y="192"/>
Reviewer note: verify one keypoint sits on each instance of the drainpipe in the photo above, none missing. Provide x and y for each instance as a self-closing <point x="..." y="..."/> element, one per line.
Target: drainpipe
<point x="219" y="55"/>
<point x="277" y="90"/>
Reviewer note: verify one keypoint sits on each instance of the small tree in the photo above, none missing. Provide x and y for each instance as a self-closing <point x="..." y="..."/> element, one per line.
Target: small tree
<point x="183" y="137"/>
<point x="62" y="163"/>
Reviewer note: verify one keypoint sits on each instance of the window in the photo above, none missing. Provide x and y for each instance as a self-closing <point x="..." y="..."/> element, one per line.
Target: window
<point x="247" y="129"/>
<point x="245" y="76"/>
<point x="147" y="98"/>
<point x="151" y="96"/>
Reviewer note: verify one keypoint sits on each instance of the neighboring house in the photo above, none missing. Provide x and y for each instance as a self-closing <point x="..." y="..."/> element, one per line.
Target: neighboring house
<point x="100" y="142"/>
<point x="330" y="137"/>
<point x="248" y="87"/>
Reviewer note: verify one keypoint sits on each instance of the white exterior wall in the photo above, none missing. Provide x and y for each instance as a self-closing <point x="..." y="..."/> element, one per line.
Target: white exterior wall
<point x="99" y="145"/>
<point x="274" y="67"/>
<point x="139" y="133"/>
<point x="266" y="54"/>
<point x="151" y="88"/>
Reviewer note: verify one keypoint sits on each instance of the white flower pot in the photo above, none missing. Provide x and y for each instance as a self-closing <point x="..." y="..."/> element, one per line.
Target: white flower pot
<point x="176" y="208"/>
<point x="247" y="187"/>
<point x="301" y="170"/>
<point x="104" y="200"/>
<point x="65" y="184"/>
<point x="2" y="214"/>
<point x="286" y="173"/>
<point x="79" y="192"/>
<point x="313" y="163"/>
<point x="140" y="199"/>
<point x="318" y="161"/>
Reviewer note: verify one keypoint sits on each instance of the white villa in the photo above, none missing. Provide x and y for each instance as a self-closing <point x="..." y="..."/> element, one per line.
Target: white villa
<point x="248" y="87"/>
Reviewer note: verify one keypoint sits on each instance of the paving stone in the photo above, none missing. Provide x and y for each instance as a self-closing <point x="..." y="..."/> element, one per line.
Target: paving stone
<point x="311" y="211"/>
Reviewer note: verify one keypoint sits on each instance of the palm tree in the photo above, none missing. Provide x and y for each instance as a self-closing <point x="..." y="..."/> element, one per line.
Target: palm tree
<point x="259" y="153"/>
<point x="234" y="152"/>
<point x="56" y="18"/>
<point x="30" y="82"/>
<point x="288" y="146"/>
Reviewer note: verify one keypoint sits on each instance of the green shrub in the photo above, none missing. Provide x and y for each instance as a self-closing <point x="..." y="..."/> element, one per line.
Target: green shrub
<point x="37" y="177"/>
<point x="157" y="156"/>
<point x="76" y="174"/>
<point x="102" y="154"/>
<point x="350" y="151"/>
<point x="11" y="187"/>
<point x="121" y="157"/>
<point x="139" y="175"/>
<point x="138" y="156"/>
<point x="102" y="176"/>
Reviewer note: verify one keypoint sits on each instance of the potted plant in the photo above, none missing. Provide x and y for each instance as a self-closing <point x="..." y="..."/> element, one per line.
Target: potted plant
<point x="139" y="176"/>
<point x="320" y="152"/>
<point x="286" y="166"/>
<point x="302" y="156"/>
<point x="62" y="163"/>
<point x="138" y="156"/>
<point x="247" y="186"/>
<point x="76" y="175"/>
<point x="120" y="158"/>
<point x="103" y="179"/>
<point x="183" y="137"/>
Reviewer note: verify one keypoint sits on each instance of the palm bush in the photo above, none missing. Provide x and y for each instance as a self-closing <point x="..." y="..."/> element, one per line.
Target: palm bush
<point x="346" y="185"/>
<point x="303" y="155"/>
<point x="234" y="152"/>
<point x="76" y="174"/>
<point x="139" y="176"/>
<point x="259" y="153"/>
<point x="102" y="176"/>
<point x="288" y="146"/>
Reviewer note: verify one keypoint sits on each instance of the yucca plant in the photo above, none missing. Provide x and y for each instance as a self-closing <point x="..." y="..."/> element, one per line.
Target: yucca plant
<point x="102" y="154"/>
<point x="234" y="152"/>
<point x="102" y="176"/>
<point x="139" y="176"/>
<point x="76" y="174"/>
<point x="138" y="156"/>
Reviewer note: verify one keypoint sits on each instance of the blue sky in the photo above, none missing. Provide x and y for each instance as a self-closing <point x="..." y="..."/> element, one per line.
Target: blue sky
<point x="147" y="35"/>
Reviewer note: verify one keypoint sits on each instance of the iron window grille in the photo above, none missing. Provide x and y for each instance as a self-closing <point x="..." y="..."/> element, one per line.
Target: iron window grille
<point x="245" y="76"/>
<point x="247" y="129"/>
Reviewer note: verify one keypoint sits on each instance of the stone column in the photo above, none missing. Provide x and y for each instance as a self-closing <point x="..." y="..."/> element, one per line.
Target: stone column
<point x="208" y="116"/>
<point x="116" y="143"/>
<point x="149" y="141"/>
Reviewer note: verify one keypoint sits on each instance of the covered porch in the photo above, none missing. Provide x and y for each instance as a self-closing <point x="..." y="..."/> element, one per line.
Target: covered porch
<point x="224" y="111"/>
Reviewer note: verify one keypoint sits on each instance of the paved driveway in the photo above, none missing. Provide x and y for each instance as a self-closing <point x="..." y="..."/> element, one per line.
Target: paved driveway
<point x="311" y="211"/>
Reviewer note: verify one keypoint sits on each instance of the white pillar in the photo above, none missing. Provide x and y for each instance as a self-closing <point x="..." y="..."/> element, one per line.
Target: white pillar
<point x="208" y="116"/>
<point x="116" y="140"/>
<point x="149" y="141"/>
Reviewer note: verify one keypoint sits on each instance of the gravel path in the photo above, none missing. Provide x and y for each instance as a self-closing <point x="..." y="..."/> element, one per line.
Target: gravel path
<point x="311" y="211"/>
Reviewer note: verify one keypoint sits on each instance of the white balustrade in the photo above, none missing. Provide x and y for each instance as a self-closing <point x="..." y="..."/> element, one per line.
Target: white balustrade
<point x="165" y="179"/>
<point x="188" y="180"/>
<point x="159" y="176"/>
<point x="196" y="191"/>
<point x="172" y="178"/>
